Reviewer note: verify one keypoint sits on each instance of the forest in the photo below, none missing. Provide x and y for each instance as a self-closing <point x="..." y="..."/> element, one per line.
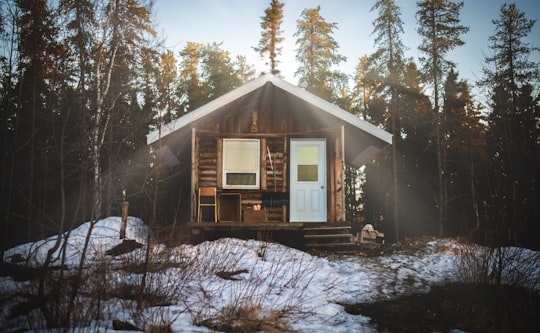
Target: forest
<point x="83" y="81"/>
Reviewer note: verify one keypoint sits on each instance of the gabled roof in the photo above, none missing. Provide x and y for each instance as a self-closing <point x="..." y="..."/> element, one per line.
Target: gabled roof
<point x="379" y="137"/>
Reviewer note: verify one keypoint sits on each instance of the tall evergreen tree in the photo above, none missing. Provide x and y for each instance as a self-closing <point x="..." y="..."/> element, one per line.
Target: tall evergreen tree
<point x="440" y="29"/>
<point x="218" y="71"/>
<point x="79" y="31"/>
<point x="317" y="53"/>
<point x="124" y="26"/>
<point x="190" y="89"/>
<point x="418" y="176"/>
<point x="462" y="138"/>
<point x="366" y="84"/>
<point x="207" y="72"/>
<point x="7" y="124"/>
<point x="166" y="81"/>
<point x="388" y="28"/>
<point x="416" y="123"/>
<point x="513" y="135"/>
<point x="271" y="36"/>
<point x="39" y="57"/>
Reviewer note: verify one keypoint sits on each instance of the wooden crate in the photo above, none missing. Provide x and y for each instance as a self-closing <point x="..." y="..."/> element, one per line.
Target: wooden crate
<point x="229" y="207"/>
<point x="255" y="215"/>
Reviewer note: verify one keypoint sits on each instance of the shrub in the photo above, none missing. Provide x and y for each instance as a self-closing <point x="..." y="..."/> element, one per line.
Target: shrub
<point x="511" y="266"/>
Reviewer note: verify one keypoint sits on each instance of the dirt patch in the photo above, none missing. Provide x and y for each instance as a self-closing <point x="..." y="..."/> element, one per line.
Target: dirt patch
<point x="231" y="275"/>
<point x="127" y="245"/>
<point x="409" y="245"/>
<point x="467" y="307"/>
<point x="20" y="273"/>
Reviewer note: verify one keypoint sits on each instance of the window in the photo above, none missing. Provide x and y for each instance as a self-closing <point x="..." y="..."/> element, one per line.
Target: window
<point x="241" y="163"/>
<point x="307" y="164"/>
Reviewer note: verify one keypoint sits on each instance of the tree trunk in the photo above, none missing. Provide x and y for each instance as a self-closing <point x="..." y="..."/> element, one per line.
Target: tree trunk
<point x="395" y="163"/>
<point x="440" y="170"/>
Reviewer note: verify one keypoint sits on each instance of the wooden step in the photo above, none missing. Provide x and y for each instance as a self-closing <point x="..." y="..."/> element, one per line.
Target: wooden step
<point x="328" y="238"/>
<point x="342" y="248"/>
<point x="331" y="245"/>
<point x="327" y="228"/>
<point x="334" y="238"/>
<point x="327" y="231"/>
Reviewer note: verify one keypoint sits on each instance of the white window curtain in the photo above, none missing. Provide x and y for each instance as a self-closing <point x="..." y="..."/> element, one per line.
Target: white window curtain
<point x="241" y="163"/>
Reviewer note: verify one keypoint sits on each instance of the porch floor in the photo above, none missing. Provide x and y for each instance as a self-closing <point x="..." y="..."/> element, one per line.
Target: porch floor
<point x="265" y="225"/>
<point x="323" y="236"/>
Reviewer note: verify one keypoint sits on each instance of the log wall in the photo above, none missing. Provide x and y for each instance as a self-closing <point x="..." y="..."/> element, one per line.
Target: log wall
<point x="274" y="129"/>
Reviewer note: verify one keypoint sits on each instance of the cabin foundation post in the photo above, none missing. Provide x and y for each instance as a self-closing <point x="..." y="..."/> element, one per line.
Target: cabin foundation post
<point x="340" y="175"/>
<point x="125" y="207"/>
<point x="194" y="172"/>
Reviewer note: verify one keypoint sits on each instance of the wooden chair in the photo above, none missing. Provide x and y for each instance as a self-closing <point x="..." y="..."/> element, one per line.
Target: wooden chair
<point x="207" y="198"/>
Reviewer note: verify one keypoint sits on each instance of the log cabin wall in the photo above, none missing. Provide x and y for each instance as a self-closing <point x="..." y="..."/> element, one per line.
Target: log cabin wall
<point x="274" y="128"/>
<point x="208" y="154"/>
<point x="273" y="175"/>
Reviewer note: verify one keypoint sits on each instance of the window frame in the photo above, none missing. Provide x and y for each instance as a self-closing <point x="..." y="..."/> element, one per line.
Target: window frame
<point x="256" y="171"/>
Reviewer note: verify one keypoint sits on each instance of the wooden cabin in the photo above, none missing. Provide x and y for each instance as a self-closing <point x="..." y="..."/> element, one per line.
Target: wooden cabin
<point x="273" y="152"/>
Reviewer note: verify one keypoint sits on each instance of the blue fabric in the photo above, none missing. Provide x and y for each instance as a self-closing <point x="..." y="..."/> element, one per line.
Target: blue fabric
<point x="273" y="199"/>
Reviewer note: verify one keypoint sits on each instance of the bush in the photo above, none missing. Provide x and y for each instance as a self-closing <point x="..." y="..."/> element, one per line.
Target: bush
<point x="510" y="266"/>
<point x="257" y="303"/>
<point x="212" y="285"/>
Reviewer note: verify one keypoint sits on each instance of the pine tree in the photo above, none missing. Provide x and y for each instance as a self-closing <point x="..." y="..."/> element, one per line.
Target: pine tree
<point x="218" y="70"/>
<point x="388" y="59"/>
<point x="463" y="153"/>
<point x="79" y="28"/>
<point x="40" y="56"/>
<point x="418" y="177"/>
<point x="123" y="28"/>
<point x="207" y="72"/>
<point x="440" y="29"/>
<point x="513" y="139"/>
<point x="8" y="125"/>
<point x="190" y="89"/>
<point x="317" y="53"/>
<point x="416" y="123"/>
<point x="271" y="35"/>
<point x="167" y="101"/>
<point x="243" y="70"/>
<point x="366" y="84"/>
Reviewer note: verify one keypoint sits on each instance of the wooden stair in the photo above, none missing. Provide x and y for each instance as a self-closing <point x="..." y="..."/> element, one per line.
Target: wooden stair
<point x="329" y="239"/>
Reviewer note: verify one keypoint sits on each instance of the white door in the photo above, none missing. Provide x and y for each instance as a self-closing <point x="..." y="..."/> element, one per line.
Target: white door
<point x="308" y="180"/>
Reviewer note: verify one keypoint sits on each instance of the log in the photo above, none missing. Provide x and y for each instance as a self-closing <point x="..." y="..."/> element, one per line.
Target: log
<point x="230" y="275"/>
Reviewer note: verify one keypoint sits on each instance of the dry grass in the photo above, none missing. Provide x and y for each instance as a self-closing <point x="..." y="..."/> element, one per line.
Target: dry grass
<point x="246" y="319"/>
<point x="510" y="266"/>
<point x="191" y="280"/>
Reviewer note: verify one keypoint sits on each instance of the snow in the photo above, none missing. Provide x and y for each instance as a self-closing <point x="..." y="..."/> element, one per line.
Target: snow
<point x="271" y="277"/>
<point x="105" y="234"/>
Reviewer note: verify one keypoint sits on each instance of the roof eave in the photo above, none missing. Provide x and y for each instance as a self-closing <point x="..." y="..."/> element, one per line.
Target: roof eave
<point x="206" y="109"/>
<point x="251" y="86"/>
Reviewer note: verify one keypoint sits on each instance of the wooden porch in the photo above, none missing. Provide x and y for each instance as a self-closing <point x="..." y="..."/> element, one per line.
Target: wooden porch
<point x="321" y="236"/>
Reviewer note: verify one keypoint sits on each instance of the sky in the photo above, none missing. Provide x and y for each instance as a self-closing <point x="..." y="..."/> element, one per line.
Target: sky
<point x="236" y="24"/>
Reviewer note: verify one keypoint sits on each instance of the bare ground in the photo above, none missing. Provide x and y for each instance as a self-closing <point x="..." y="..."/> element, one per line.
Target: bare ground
<point x="455" y="306"/>
<point x="467" y="307"/>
